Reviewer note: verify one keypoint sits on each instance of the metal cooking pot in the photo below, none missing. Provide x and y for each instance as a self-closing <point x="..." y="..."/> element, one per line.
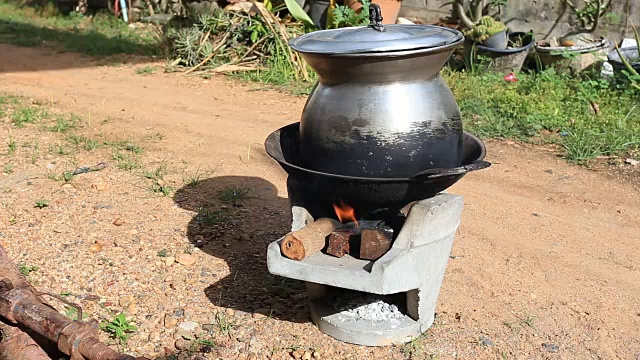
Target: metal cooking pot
<point x="380" y="108"/>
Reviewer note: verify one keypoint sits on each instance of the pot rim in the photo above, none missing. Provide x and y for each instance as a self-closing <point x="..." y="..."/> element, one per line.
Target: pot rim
<point x="458" y="39"/>
<point x="529" y="45"/>
<point x="559" y="50"/>
<point x="480" y="157"/>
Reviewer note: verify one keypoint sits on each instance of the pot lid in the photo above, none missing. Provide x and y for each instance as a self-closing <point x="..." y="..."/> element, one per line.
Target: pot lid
<point x="367" y="39"/>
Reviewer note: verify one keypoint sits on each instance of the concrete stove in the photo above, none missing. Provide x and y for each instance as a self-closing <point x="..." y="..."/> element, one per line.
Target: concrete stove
<point x="375" y="303"/>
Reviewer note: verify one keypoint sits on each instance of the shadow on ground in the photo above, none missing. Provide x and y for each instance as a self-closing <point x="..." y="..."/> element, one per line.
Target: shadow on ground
<point x="240" y="236"/>
<point x="110" y="50"/>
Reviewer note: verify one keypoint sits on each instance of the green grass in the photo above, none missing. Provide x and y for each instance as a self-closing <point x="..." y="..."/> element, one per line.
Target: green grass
<point x="28" y="115"/>
<point x="102" y="35"/>
<point x="41" y="203"/>
<point x="64" y="123"/>
<point x="26" y="270"/>
<point x="551" y="108"/>
<point x="146" y="70"/>
<point x="234" y="195"/>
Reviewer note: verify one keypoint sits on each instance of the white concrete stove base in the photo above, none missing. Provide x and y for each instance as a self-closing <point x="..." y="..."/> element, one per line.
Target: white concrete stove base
<point x="414" y="265"/>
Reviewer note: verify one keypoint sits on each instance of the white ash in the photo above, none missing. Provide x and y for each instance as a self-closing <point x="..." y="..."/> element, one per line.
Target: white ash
<point x="366" y="307"/>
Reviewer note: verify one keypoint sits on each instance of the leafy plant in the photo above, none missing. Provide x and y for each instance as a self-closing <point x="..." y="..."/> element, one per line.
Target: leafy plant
<point x="119" y="328"/>
<point x="590" y="14"/>
<point x="26" y="270"/>
<point x="632" y="74"/>
<point x="41" y="203"/>
<point x="8" y="169"/>
<point x="344" y="16"/>
<point x="163" y="253"/>
<point x="28" y="115"/>
<point x="146" y="70"/>
<point x="484" y="29"/>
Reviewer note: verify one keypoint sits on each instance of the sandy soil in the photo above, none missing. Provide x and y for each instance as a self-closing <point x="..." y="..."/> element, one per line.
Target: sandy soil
<point x="546" y="263"/>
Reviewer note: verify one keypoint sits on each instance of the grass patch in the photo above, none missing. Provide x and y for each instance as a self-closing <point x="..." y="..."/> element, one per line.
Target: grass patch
<point x="214" y="216"/>
<point x="587" y="118"/>
<point x="64" y="123"/>
<point x="28" y="115"/>
<point x="146" y="70"/>
<point x="101" y="35"/>
<point x="41" y="203"/>
<point x="26" y="270"/>
<point x="126" y="162"/>
<point x="234" y="195"/>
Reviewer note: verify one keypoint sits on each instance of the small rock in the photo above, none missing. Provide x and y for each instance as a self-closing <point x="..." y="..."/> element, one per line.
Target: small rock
<point x="198" y="238"/>
<point x="67" y="186"/>
<point x="209" y="327"/>
<point x="182" y="344"/>
<point x="118" y="222"/>
<point x="252" y="357"/>
<point x="99" y="186"/>
<point x="124" y="301"/>
<point x="189" y="326"/>
<point x="95" y="248"/>
<point x="186" y="259"/>
<point x="316" y="355"/>
<point x="170" y="321"/>
<point x="230" y="312"/>
<point x="632" y="162"/>
<point x="297" y="354"/>
<point x="551" y="347"/>
<point x="306" y="356"/>
<point x="169" y="260"/>
<point x="485" y="341"/>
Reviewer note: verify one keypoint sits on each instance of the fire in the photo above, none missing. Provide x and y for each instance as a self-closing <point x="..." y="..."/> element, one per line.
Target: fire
<point x="345" y="213"/>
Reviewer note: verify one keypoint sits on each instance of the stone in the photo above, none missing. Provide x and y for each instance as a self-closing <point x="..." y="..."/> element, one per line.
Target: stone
<point x="306" y="356"/>
<point x="182" y="344"/>
<point x="169" y="260"/>
<point x="316" y="355"/>
<point x="485" y="341"/>
<point x="118" y="222"/>
<point x="99" y="186"/>
<point x="190" y="326"/>
<point x="297" y="354"/>
<point x="632" y="162"/>
<point x="209" y="327"/>
<point x="95" y="248"/>
<point x="170" y="321"/>
<point x="551" y="347"/>
<point x="124" y="301"/>
<point x="186" y="259"/>
<point x="67" y="186"/>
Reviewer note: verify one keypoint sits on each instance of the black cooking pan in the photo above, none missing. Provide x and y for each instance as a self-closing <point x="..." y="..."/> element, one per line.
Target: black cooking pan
<point x="282" y="145"/>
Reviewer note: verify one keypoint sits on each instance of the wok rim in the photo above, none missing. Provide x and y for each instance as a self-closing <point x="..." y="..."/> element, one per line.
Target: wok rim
<point x="284" y="163"/>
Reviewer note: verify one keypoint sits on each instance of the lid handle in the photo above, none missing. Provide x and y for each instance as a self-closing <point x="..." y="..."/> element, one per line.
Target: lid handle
<point x="375" y="17"/>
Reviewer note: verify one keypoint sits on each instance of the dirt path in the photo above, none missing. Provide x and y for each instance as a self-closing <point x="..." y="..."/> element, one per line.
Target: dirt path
<point x="547" y="261"/>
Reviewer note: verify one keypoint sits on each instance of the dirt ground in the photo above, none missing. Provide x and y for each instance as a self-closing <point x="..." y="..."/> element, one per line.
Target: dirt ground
<point x="546" y="263"/>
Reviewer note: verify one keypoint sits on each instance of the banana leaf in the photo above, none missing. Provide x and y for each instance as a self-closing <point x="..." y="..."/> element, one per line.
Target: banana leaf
<point x="298" y="13"/>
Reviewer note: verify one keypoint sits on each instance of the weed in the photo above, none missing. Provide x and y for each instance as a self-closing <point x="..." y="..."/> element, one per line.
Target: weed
<point x="126" y="162"/>
<point x="163" y="253"/>
<point x="72" y="313"/>
<point x="26" y="270"/>
<point x="64" y="123"/>
<point x="213" y="217"/>
<point x="157" y="174"/>
<point x="413" y="349"/>
<point x="158" y="187"/>
<point x="193" y="179"/>
<point x="119" y="328"/>
<point x="159" y="136"/>
<point x="91" y="144"/>
<point x="41" y="203"/>
<point x="7" y="169"/>
<point x="11" y="145"/>
<point x="225" y="326"/>
<point x="84" y="142"/>
<point x="146" y="70"/>
<point x="528" y="319"/>
<point x="65" y="293"/>
<point x="28" y="115"/>
<point x="234" y="195"/>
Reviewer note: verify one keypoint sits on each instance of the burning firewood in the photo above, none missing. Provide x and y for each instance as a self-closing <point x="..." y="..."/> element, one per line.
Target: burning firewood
<point x="308" y="240"/>
<point x="339" y="242"/>
<point x="375" y="242"/>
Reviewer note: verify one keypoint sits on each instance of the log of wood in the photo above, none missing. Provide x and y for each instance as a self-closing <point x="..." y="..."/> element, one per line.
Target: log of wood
<point x="308" y="240"/>
<point x="339" y="242"/>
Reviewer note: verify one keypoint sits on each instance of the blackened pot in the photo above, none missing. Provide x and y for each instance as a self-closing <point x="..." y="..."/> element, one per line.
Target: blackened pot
<point x="380" y="108"/>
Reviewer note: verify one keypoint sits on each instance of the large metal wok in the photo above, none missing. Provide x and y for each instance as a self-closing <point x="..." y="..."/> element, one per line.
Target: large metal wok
<point x="282" y="145"/>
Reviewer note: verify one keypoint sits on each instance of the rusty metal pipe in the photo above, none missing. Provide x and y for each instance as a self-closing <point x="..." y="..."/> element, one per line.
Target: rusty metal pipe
<point x="21" y="304"/>
<point x="18" y="345"/>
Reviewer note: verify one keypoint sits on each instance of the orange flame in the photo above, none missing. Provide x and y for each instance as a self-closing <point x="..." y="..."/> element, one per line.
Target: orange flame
<point x="345" y="213"/>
